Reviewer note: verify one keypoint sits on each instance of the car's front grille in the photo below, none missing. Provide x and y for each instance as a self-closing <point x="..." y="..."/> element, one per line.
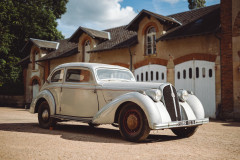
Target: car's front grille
<point x="171" y="102"/>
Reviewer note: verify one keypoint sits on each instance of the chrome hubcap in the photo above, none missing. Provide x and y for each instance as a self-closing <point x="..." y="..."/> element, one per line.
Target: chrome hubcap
<point x="132" y="122"/>
<point x="45" y="115"/>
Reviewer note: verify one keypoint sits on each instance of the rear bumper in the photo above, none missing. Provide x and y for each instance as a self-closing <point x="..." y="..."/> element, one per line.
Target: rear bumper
<point x="184" y="123"/>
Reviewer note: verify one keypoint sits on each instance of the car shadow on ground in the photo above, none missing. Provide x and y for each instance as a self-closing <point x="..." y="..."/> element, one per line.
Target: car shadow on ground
<point x="81" y="133"/>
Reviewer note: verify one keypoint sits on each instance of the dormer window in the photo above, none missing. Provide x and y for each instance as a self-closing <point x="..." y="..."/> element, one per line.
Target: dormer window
<point x="150" y="41"/>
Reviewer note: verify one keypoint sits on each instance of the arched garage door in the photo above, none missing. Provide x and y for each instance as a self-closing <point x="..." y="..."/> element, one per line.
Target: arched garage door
<point x="151" y="73"/>
<point x="199" y="77"/>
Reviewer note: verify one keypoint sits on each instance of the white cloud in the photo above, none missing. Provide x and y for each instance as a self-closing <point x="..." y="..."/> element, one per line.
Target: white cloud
<point x="95" y="14"/>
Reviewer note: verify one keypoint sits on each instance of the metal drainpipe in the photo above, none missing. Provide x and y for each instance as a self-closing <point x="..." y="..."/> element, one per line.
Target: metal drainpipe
<point x="130" y="53"/>
<point x="219" y="110"/>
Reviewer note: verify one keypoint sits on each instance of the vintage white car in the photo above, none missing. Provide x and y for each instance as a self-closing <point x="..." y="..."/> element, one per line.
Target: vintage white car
<point x="108" y="94"/>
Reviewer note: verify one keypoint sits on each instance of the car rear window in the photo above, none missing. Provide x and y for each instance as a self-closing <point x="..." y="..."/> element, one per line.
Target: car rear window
<point x="78" y="75"/>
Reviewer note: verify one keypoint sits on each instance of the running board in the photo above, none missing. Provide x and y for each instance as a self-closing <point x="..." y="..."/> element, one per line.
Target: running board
<point x="72" y="118"/>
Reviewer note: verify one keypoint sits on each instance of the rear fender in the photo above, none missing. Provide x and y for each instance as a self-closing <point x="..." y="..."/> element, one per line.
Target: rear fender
<point x="43" y="95"/>
<point x="155" y="112"/>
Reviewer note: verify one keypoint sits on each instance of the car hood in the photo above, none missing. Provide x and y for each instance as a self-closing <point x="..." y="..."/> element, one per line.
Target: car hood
<point x="134" y="86"/>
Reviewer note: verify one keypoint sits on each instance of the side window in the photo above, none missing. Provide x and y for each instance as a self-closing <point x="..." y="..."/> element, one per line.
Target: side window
<point x="78" y="75"/>
<point x="57" y="76"/>
<point x="184" y="74"/>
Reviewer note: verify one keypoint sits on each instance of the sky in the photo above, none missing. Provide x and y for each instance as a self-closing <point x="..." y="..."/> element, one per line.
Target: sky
<point x="105" y="14"/>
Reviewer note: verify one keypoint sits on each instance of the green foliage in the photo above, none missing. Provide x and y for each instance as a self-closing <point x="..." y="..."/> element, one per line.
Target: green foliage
<point x="19" y="21"/>
<point x="193" y="4"/>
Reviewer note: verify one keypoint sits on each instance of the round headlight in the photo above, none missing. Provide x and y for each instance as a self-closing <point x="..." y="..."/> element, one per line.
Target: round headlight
<point x="182" y="95"/>
<point x="155" y="94"/>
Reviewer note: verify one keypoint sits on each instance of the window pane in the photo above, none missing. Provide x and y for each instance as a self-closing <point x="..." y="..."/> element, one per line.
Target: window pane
<point x="197" y="72"/>
<point x="203" y="72"/>
<point x="57" y="76"/>
<point x="184" y="74"/>
<point x="151" y="75"/>
<point x="157" y="76"/>
<point x="162" y="76"/>
<point x="190" y="73"/>
<point x="146" y="76"/>
<point x="78" y="75"/>
<point x="210" y="73"/>
<point x="142" y="77"/>
<point x="137" y="77"/>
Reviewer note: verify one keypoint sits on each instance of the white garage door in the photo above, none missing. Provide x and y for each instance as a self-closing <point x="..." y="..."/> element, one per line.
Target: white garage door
<point x="151" y="73"/>
<point x="199" y="77"/>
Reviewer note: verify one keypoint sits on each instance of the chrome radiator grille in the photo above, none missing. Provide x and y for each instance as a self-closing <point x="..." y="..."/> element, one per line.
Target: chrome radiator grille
<point x="172" y="103"/>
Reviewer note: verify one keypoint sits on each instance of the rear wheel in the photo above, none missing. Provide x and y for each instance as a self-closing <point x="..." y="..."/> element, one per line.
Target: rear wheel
<point x="185" y="131"/>
<point x="133" y="123"/>
<point x="44" y="119"/>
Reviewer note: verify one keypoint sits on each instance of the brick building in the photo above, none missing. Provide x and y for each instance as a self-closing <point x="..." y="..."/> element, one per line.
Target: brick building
<point x="197" y="50"/>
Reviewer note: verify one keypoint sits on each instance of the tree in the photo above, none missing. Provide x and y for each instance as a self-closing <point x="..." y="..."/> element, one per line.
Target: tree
<point x="193" y="4"/>
<point x="19" y="21"/>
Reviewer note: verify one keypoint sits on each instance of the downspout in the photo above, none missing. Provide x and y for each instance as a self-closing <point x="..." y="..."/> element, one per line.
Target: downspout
<point x="219" y="109"/>
<point x="131" y="55"/>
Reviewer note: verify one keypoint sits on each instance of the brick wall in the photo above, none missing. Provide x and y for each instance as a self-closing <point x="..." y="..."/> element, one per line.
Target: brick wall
<point x="226" y="58"/>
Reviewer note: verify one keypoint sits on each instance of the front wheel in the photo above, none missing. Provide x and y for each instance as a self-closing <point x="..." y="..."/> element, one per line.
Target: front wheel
<point x="133" y="123"/>
<point x="185" y="131"/>
<point x="44" y="119"/>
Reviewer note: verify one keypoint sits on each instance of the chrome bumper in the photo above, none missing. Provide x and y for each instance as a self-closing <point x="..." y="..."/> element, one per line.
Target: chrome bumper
<point x="184" y="123"/>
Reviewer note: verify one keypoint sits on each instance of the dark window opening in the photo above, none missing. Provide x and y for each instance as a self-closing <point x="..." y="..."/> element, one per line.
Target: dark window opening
<point x="162" y="76"/>
<point x="210" y="73"/>
<point x="146" y="76"/>
<point x="190" y="73"/>
<point x="151" y="75"/>
<point x="157" y="76"/>
<point x="142" y="77"/>
<point x="203" y="72"/>
<point x="184" y="74"/>
<point x="197" y="72"/>
<point x="178" y="75"/>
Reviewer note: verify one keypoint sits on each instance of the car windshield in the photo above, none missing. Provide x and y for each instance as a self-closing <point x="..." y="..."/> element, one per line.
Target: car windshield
<point x="114" y="74"/>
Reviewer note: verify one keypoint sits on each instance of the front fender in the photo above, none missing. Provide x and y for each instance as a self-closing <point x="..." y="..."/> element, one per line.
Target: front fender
<point x="46" y="95"/>
<point x="196" y="106"/>
<point x="155" y="112"/>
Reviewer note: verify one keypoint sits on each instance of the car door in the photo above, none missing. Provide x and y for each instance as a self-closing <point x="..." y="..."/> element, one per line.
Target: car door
<point x="55" y="84"/>
<point x="78" y="96"/>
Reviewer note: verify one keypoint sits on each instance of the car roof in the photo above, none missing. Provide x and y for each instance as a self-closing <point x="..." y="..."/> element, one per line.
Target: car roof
<point x="88" y="65"/>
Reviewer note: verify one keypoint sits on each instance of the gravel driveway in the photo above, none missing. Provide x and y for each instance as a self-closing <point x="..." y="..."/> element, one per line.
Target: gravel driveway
<point x="21" y="138"/>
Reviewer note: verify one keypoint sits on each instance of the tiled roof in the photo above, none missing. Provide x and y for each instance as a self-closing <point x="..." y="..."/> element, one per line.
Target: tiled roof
<point x="91" y="32"/>
<point x="65" y="49"/>
<point x="189" y="16"/>
<point x="196" y="22"/>
<point x="120" y="38"/>
<point x="133" y="25"/>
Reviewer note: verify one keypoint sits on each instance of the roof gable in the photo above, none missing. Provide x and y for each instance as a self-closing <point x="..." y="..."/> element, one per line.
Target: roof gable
<point x="41" y="44"/>
<point x="91" y="32"/>
<point x="133" y="25"/>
